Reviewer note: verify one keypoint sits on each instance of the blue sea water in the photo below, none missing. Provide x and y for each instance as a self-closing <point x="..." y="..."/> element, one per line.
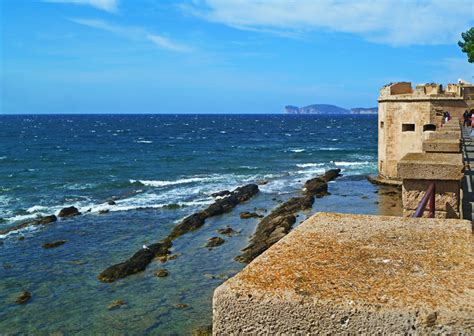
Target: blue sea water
<point x="160" y="168"/>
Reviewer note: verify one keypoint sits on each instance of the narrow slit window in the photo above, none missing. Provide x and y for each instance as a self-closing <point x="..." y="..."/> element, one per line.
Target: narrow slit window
<point x="408" y="127"/>
<point x="429" y="127"/>
<point x="381" y="124"/>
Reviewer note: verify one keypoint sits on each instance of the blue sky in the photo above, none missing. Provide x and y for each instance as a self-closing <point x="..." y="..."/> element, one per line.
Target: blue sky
<point x="221" y="56"/>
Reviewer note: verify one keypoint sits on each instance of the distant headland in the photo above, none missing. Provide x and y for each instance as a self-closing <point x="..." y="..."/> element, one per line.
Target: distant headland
<point x="328" y="109"/>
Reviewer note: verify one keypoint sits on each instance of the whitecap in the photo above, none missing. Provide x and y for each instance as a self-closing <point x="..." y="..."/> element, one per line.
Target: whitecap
<point x="297" y="150"/>
<point x="223" y="132"/>
<point x="144" y="141"/>
<point x="329" y="148"/>
<point x="158" y="183"/>
<point x="3" y="157"/>
<point x="36" y="208"/>
<point x="306" y="165"/>
<point x="351" y="163"/>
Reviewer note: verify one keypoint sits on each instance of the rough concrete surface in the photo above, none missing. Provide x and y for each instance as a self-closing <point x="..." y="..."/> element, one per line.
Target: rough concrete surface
<point x="431" y="166"/>
<point x="355" y="274"/>
<point x="442" y="145"/>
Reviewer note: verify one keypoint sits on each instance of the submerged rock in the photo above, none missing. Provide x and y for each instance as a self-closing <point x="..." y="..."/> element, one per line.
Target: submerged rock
<point x="111" y="202"/>
<point x="54" y="244"/>
<point x="115" y="304"/>
<point x="222" y="193"/>
<point x="104" y="211"/>
<point x="68" y="212"/>
<point x="23" y="298"/>
<point x="47" y="219"/>
<point x="203" y="331"/>
<point x="214" y="241"/>
<point x="161" y="273"/>
<point x="246" y="215"/>
<point x="228" y="231"/>
<point x="181" y="305"/>
<point x="136" y="263"/>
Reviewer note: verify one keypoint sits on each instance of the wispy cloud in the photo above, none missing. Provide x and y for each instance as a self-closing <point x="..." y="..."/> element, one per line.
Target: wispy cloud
<point x="393" y="22"/>
<point x="136" y="33"/>
<point x="110" y="6"/>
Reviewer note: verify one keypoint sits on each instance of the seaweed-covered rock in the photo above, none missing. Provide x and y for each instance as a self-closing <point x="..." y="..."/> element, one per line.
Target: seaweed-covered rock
<point x="69" y="212"/>
<point x="46" y="220"/>
<point x="228" y="231"/>
<point x="161" y="273"/>
<point x="136" y="263"/>
<point x="23" y="298"/>
<point x="214" y="241"/>
<point x="54" y="244"/>
<point x="246" y="215"/>
<point x="202" y="331"/>
<point x="115" y="304"/>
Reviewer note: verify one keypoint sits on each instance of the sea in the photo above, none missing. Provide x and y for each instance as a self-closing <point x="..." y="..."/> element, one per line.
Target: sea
<point x="158" y="169"/>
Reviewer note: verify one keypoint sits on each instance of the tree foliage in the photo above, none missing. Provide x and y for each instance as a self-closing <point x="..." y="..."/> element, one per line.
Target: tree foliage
<point x="468" y="45"/>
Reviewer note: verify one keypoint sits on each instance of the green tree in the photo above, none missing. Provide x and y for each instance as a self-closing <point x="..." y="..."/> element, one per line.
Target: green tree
<point x="468" y="45"/>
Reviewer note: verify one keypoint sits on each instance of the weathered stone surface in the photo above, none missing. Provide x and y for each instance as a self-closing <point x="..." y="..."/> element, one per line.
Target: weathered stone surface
<point x="442" y="145"/>
<point x="451" y="214"/>
<point x="444" y="135"/>
<point x="431" y="166"/>
<point x="54" y="244"/>
<point x="447" y="194"/>
<point x="23" y="298"/>
<point x="355" y="274"/>
<point x="137" y="263"/>
<point x="69" y="212"/>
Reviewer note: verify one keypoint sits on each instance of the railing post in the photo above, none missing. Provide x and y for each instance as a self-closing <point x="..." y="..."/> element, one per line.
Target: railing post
<point x="432" y="201"/>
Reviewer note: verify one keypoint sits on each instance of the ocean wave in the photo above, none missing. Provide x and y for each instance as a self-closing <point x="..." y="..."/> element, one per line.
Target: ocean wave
<point x="3" y="157"/>
<point x="308" y="165"/>
<point x="297" y="150"/>
<point x="144" y="141"/>
<point x="36" y="208"/>
<point x="329" y="148"/>
<point x="351" y="163"/>
<point x="30" y="228"/>
<point x="159" y="183"/>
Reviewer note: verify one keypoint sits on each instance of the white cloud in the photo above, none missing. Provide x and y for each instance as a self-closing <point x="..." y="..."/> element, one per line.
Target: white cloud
<point x="110" y="6"/>
<point x="393" y="22"/>
<point x="165" y="43"/>
<point x="136" y="33"/>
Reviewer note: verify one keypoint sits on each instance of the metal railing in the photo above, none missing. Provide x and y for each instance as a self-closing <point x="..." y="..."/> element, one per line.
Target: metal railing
<point x="429" y="196"/>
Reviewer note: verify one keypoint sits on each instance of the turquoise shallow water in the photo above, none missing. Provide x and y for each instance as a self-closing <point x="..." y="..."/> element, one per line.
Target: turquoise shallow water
<point x="48" y="162"/>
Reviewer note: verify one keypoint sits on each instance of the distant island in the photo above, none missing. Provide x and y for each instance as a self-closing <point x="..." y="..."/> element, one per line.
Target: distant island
<point x="328" y="109"/>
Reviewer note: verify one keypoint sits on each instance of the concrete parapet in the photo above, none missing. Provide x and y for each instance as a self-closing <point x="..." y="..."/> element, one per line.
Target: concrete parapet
<point x="418" y="170"/>
<point x="355" y="274"/>
<point x="442" y="145"/>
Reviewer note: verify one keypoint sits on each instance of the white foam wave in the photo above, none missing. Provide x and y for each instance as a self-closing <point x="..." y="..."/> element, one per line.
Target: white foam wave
<point x="329" y="148"/>
<point x="36" y="208"/>
<point x="3" y="157"/>
<point x="351" y="163"/>
<point x="308" y="165"/>
<point x="144" y="141"/>
<point x="158" y="183"/>
<point x="297" y="150"/>
<point x="30" y="228"/>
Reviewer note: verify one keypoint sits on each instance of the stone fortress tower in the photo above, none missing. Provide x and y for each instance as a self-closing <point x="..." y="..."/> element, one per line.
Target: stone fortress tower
<point x="408" y="116"/>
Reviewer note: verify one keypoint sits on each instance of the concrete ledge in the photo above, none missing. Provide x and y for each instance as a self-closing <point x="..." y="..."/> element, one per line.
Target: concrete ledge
<point x="442" y="145"/>
<point x="355" y="274"/>
<point x="444" y="135"/>
<point x="431" y="166"/>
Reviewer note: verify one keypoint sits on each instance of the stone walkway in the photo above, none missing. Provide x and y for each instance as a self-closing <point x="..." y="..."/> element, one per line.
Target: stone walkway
<point x="468" y="181"/>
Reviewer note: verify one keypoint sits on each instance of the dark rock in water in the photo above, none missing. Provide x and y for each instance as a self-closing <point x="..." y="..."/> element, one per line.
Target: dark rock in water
<point x="219" y="207"/>
<point x="161" y="273"/>
<point x="115" y="304"/>
<point x="318" y="186"/>
<point x="228" y="231"/>
<point x="21" y="238"/>
<point x="137" y="263"/>
<point x="69" y="212"/>
<point x="262" y="182"/>
<point x="104" y="211"/>
<point x="246" y="215"/>
<point x="203" y="331"/>
<point x="7" y="266"/>
<point x="54" y="244"/>
<point x="214" y="241"/>
<point x="46" y="220"/>
<point x="221" y="193"/>
<point x="181" y="305"/>
<point x="23" y="298"/>
<point x="111" y="202"/>
<point x="172" y="206"/>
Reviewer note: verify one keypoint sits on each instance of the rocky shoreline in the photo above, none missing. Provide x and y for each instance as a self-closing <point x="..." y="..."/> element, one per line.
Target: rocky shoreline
<point x="225" y="202"/>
